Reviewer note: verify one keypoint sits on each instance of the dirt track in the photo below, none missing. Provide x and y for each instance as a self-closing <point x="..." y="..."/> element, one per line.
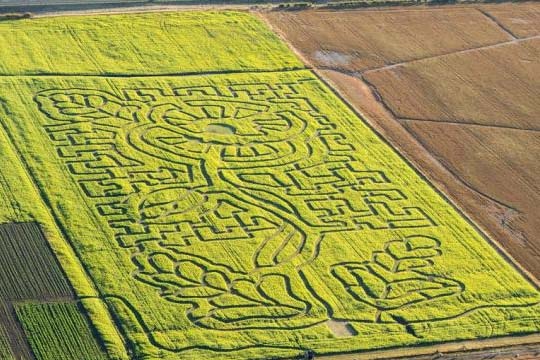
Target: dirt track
<point x="456" y="91"/>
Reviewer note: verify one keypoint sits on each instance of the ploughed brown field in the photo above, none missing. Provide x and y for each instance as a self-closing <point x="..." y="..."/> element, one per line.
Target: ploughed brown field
<point x="456" y="90"/>
<point x="521" y="20"/>
<point x="358" y="40"/>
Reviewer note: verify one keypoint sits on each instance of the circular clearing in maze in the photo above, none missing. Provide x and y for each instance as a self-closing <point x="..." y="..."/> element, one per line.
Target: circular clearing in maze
<point x="221" y="129"/>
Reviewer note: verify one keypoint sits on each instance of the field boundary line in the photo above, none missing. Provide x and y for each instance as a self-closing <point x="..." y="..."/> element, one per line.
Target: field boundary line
<point x="55" y="223"/>
<point x="148" y="75"/>
<point x="458" y="123"/>
<point x="466" y="183"/>
<point x="463" y="181"/>
<point x="498" y="23"/>
<point x="465" y="51"/>
<point x="307" y="64"/>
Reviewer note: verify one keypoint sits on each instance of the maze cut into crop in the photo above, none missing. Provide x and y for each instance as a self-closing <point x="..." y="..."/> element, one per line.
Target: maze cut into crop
<point x="247" y="215"/>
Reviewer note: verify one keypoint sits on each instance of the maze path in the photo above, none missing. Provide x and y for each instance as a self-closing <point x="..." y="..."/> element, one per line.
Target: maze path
<point x="234" y="204"/>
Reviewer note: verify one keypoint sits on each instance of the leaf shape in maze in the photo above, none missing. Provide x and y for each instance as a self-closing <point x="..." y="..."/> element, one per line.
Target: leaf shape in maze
<point x="256" y="304"/>
<point x="224" y="300"/>
<point x="216" y="280"/>
<point x="190" y="271"/>
<point x="418" y="247"/>
<point x="397" y="276"/>
<point x="77" y="105"/>
<point x="286" y="243"/>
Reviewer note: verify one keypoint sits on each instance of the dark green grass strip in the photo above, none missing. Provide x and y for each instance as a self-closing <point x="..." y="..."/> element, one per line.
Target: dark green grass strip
<point x="29" y="269"/>
<point x="5" y="351"/>
<point x="58" y="331"/>
<point x="13" y="344"/>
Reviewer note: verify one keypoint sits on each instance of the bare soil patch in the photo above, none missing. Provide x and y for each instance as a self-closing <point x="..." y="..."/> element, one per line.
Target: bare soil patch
<point x="359" y="40"/>
<point x="341" y="328"/>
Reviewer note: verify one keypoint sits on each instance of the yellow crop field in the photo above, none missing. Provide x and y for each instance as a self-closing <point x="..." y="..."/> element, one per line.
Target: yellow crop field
<point x="248" y="215"/>
<point x="168" y="43"/>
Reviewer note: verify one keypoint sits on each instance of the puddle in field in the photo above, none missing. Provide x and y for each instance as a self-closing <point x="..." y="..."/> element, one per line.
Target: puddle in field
<point x="341" y="328"/>
<point x="332" y="58"/>
<point x="221" y="129"/>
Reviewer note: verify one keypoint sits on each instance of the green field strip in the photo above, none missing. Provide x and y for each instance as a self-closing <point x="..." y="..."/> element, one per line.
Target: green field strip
<point x="25" y="205"/>
<point x="15" y="203"/>
<point x="29" y="269"/>
<point x="5" y="352"/>
<point x="165" y="43"/>
<point x="9" y="211"/>
<point x="241" y="216"/>
<point x="13" y="341"/>
<point x="58" y="331"/>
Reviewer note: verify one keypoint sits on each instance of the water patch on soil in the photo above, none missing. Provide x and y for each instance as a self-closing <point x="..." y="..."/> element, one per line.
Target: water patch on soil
<point x="332" y="58"/>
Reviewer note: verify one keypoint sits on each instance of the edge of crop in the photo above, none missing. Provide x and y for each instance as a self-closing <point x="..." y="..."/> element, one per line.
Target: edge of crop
<point x="484" y="233"/>
<point x="66" y="256"/>
<point x="499" y="249"/>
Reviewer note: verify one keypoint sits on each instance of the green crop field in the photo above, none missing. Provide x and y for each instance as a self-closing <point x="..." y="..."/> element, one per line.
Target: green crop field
<point x="5" y="352"/>
<point x="243" y="213"/>
<point x="58" y="331"/>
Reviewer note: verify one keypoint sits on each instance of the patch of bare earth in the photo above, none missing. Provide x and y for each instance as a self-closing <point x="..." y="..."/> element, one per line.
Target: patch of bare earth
<point x="494" y="86"/>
